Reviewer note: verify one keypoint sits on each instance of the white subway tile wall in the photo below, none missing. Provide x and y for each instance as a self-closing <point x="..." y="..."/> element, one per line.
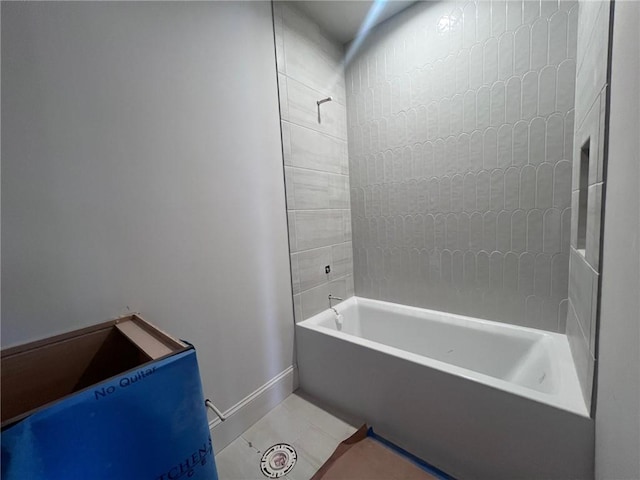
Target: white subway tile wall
<point x="310" y="68"/>
<point x="460" y="120"/>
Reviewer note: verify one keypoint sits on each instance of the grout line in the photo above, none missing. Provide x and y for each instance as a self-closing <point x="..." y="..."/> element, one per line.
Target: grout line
<point x="321" y="210"/>
<point x="326" y="93"/>
<point x="320" y="248"/>
<point x="318" y="209"/>
<point x="249" y="444"/>
<point x="327" y="282"/>
<point x="289" y="121"/>
<point x="316" y="170"/>
<point x="286" y="120"/>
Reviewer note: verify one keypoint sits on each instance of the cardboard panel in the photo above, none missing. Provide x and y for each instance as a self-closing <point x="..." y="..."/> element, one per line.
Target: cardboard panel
<point x="47" y="373"/>
<point x="36" y="374"/>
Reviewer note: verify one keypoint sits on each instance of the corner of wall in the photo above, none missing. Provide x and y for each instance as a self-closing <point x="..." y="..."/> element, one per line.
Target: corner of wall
<point x="617" y="409"/>
<point x="588" y="183"/>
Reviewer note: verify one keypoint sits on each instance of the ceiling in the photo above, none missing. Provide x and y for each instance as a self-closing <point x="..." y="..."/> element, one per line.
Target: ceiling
<point x="342" y="19"/>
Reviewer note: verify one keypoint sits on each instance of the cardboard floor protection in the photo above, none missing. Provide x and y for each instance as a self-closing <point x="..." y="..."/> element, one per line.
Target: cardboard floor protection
<point x="361" y="457"/>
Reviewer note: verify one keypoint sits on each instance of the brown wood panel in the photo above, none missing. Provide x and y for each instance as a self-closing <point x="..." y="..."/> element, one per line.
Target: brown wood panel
<point x="41" y="372"/>
<point x="153" y="342"/>
<point x="11" y="351"/>
<point x="115" y="356"/>
<point x="158" y="334"/>
<point x="37" y="376"/>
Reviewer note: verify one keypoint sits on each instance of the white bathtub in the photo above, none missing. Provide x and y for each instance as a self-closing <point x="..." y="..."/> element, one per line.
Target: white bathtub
<point x="478" y="399"/>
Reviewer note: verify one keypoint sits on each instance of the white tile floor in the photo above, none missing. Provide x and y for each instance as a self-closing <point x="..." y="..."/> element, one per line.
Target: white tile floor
<point x="313" y="432"/>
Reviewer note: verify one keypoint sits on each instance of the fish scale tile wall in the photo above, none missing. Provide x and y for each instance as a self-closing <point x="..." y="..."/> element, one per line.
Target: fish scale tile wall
<point x="460" y="122"/>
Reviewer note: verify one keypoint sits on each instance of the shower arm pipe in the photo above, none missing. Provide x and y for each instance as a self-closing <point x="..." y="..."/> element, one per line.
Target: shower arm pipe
<point x="320" y="102"/>
<point x="209" y="404"/>
<point x="331" y="297"/>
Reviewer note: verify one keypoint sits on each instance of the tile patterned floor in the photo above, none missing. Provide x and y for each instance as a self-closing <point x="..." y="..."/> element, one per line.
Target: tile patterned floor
<point x="313" y="432"/>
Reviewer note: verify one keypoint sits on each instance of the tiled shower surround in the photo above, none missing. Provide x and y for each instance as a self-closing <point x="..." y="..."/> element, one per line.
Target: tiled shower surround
<point x="460" y="120"/>
<point x="588" y="180"/>
<point x="315" y="157"/>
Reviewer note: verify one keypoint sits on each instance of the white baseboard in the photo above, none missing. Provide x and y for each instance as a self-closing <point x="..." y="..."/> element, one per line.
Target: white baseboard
<point x="251" y="408"/>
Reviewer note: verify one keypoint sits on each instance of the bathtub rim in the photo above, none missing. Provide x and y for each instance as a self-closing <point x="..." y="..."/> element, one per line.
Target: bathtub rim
<point x="569" y="398"/>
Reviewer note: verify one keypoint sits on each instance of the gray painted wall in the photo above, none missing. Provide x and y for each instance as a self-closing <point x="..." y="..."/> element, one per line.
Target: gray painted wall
<point x="618" y="399"/>
<point x="460" y="139"/>
<point x="315" y="155"/>
<point x="142" y="171"/>
<point x="590" y="111"/>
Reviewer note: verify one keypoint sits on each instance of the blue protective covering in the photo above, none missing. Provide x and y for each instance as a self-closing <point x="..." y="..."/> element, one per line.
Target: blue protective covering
<point x="149" y="423"/>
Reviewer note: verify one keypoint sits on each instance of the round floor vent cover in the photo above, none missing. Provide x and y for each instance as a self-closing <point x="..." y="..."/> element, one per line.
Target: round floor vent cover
<point x="278" y="460"/>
